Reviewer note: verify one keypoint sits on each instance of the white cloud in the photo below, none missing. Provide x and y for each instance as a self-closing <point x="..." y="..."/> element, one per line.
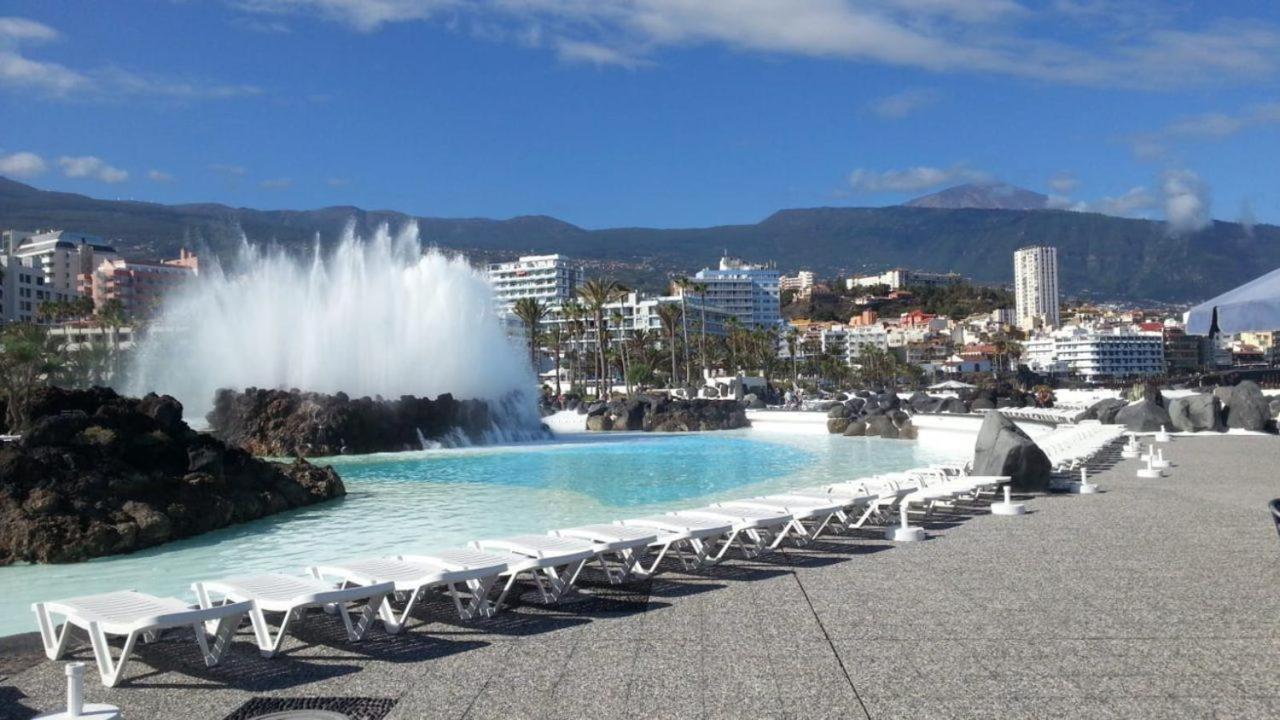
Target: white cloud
<point x="594" y="54"/>
<point x="364" y="15"/>
<point x="1063" y="183"/>
<point x="1063" y="43"/>
<point x="89" y="166"/>
<point x="912" y="179"/>
<point x="21" y="164"/>
<point x="904" y="103"/>
<point x="276" y="184"/>
<point x="159" y="176"/>
<point x="1186" y="201"/>
<point x="1204" y="127"/>
<point x="19" y="71"/>
<point x="1181" y="195"/>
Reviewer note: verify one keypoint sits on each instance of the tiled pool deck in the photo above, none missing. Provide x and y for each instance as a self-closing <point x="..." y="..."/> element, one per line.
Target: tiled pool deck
<point x="1155" y="598"/>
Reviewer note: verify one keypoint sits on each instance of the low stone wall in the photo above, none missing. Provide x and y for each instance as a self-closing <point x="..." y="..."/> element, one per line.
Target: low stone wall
<point x="306" y="424"/>
<point x="100" y="474"/>
<point x="658" y="413"/>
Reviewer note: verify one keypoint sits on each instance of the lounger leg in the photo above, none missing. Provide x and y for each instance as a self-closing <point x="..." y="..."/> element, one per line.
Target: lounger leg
<point x="54" y="640"/>
<point x="479" y="603"/>
<point x="268" y="646"/>
<point x="109" y="669"/>
<point x="511" y="580"/>
<point x="357" y="630"/>
<point x="226" y="628"/>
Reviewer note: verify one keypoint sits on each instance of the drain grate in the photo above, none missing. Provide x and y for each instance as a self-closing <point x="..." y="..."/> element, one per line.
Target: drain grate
<point x="314" y="708"/>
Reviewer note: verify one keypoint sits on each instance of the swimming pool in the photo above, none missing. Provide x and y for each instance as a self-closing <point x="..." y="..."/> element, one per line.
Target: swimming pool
<point x="422" y="501"/>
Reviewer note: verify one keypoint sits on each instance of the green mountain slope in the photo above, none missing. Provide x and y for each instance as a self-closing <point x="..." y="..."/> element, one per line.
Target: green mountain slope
<point x="1099" y="256"/>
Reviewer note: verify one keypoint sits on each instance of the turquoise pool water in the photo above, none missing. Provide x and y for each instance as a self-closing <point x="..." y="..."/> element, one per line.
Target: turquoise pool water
<point x="421" y="501"/>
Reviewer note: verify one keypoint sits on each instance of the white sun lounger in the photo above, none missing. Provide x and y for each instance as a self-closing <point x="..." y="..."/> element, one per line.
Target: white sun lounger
<point x="692" y="541"/>
<point x="293" y="596"/>
<point x="850" y="503"/>
<point x="463" y="574"/>
<point x="763" y="529"/>
<point x="619" y="548"/>
<point x="134" y="614"/>
<point x="552" y="563"/>
<point x="817" y="513"/>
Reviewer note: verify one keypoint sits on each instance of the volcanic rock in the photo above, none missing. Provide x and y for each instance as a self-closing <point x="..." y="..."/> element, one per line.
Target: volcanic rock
<point x="1002" y="448"/>
<point x="100" y="474"/>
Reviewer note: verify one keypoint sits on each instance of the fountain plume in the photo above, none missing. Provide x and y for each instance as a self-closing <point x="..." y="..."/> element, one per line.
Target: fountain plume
<point x="376" y="317"/>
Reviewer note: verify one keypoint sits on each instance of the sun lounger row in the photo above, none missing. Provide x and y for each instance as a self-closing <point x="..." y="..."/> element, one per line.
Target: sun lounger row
<point x="1054" y="415"/>
<point x="479" y="579"/>
<point x="1071" y="447"/>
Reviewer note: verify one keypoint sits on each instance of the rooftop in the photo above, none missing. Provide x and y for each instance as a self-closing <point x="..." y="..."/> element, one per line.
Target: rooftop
<point x="1155" y="598"/>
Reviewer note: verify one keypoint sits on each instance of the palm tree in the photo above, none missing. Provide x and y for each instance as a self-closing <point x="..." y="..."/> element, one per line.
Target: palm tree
<point x="793" y="338"/>
<point x="669" y="316"/>
<point x="531" y="312"/>
<point x="111" y="315"/>
<point x="622" y="349"/>
<point x="684" y="284"/>
<point x="573" y="313"/>
<point x="557" y="337"/>
<point x="701" y="289"/>
<point x="595" y="295"/>
<point x="734" y="327"/>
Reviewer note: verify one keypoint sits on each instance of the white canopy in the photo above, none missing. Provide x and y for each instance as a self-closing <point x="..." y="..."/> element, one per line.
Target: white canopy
<point x="1252" y="307"/>
<point x="952" y="385"/>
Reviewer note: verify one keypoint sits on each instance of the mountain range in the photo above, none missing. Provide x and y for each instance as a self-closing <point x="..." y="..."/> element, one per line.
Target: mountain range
<point x="1099" y="256"/>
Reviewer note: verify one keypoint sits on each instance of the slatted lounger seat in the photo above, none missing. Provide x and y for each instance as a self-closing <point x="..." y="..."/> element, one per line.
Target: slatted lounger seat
<point x="809" y="517"/>
<point x="466" y="575"/>
<point x="293" y="596"/>
<point x="134" y="614"/>
<point x="756" y="531"/>
<point x="619" y="548"/>
<point x="695" y="543"/>
<point x="551" y="563"/>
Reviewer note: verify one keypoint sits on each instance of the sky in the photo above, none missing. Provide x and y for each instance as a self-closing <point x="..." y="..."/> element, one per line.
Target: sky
<point x="661" y="113"/>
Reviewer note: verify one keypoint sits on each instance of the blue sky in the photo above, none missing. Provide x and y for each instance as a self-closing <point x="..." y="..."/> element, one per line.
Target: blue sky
<point x="645" y="112"/>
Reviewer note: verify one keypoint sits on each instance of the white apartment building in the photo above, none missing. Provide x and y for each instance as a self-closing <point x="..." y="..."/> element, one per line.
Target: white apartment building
<point x="551" y="279"/>
<point x="641" y="313"/>
<point x="752" y="293"/>
<point x="63" y="257"/>
<point x="899" y="278"/>
<point x="1114" y="353"/>
<point x="801" y="283"/>
<point x="1035" y="285"/>
<point x="22" y="289"/>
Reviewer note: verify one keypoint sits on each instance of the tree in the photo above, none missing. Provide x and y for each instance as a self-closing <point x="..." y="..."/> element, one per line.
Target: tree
<point x="596" y="294"/>
<point x="793" y="340"/>
<point x="27" y="359"/>
<point x="669" y="316"/>
<point x="701" y="289"/>
<point x="622" y="348"/>
<point x="557" y="337"/>
<point x="531" y="312"/>
<point x="112" y="315"/>
<point x="573" y="314"/>
<point x="685" y="284"/>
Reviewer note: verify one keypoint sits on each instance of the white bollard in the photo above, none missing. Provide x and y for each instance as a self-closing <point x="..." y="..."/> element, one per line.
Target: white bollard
<point x="76" y="707"/>
<point x="1149" y="471"/>
<point x="1163" y="435"/>
<point x="1084" y="487"/>
<point x="905" y="533"/>
<point x="1158" y="462"/>
<point x="1008" y="507"/>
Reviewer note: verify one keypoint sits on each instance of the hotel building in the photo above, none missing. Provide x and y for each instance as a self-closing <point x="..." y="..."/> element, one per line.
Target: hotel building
<point x="550" y="279"/>
<point x="751" y="293"/>
<point x="1035" y="286"/>
<point x="1111" y="354"/>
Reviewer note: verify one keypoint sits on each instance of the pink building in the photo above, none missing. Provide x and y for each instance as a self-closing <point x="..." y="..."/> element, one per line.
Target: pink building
<point x="140" y="285"/>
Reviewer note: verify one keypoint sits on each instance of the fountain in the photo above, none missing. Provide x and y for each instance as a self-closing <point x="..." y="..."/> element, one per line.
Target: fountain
<point x="371" y="317"/>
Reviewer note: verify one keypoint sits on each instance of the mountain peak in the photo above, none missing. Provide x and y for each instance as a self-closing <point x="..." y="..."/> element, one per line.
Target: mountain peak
<point x="984" y="196"/>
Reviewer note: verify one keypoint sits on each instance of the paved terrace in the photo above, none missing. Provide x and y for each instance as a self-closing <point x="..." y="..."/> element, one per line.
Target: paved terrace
<point x="1157" y="598"/>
